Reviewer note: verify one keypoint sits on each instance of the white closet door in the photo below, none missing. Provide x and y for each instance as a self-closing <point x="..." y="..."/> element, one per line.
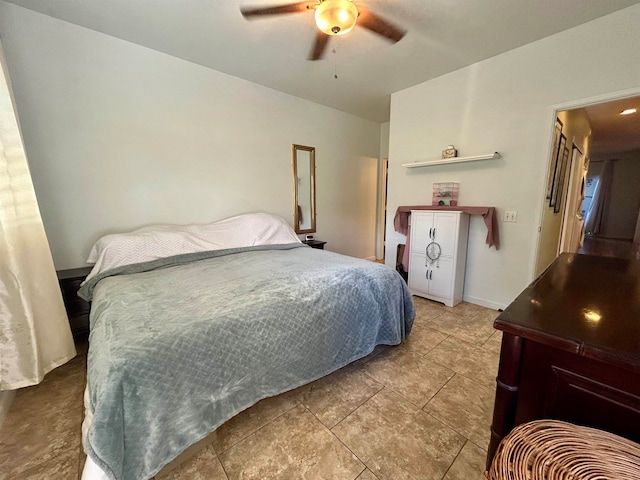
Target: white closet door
<point x="418" y="273"/>
<point x="421" y="226"/>
<point x="441" y="278"/>
<point x="446" y="228"/>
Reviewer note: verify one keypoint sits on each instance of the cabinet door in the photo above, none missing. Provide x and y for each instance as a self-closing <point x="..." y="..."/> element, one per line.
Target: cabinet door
<point x="418" y="273"/>
<point x="421" y="225"/>
<point x="441" y="278"/>
<point x="446" y="228"/>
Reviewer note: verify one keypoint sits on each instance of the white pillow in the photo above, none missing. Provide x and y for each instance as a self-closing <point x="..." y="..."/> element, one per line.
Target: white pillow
<point x="160" y="241"/>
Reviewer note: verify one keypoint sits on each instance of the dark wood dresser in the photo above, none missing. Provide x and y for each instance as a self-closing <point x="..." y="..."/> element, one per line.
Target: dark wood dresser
<point x="77" y="308"/>
<point x="571" y="349"/>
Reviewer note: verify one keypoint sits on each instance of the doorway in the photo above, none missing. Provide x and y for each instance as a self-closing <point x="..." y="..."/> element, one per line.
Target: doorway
<point x="596" y="132"/>
<point x="382" y="211"/>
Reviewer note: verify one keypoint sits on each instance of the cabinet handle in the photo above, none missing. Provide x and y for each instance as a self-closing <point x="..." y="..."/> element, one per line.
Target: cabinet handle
<point x="431" y="275"/>
<point x="427" y="274"/>
<point x="434" y="233"/>
<point x="430" y="230"/>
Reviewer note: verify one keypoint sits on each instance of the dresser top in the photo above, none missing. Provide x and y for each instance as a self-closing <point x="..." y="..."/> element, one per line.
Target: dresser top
<point x="584" y="304"/>
<point x="80" y="272"/>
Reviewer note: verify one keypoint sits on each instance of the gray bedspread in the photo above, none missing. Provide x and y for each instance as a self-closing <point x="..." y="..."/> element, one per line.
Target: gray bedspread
<point x="180" y="345"/>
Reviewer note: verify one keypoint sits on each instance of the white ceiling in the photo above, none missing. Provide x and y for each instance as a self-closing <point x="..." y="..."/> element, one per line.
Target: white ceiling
<point x="443" y="35"/>
<point x="612" y="133"/>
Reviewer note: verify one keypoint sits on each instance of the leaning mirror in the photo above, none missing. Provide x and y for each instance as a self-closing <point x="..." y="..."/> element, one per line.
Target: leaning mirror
<point x="304" y="189"/>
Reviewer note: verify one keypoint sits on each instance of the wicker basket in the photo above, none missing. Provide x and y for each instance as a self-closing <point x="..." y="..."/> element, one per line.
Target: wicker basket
<point x="554" y="450"/>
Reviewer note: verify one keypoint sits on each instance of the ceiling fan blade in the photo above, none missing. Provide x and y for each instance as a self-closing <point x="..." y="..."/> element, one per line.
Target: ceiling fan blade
<point x="249" y="12"/>
<point x="319" y="46"/>
<point x="377" y="24"/>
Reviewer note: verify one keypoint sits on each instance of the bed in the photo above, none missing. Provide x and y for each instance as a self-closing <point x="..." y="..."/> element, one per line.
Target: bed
<point x="191" y="325"/>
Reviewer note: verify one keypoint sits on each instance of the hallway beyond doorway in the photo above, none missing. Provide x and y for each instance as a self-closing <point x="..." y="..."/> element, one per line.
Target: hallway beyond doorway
<point x="606" y="247"/>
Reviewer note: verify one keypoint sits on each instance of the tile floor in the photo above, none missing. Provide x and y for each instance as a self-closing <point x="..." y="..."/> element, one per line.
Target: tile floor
<point x="420" y="410"/>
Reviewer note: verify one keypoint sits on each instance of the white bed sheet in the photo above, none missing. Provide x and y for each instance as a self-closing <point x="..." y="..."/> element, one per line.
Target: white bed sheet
<point x="161" y="241"/>
<point x="90" y="471"/>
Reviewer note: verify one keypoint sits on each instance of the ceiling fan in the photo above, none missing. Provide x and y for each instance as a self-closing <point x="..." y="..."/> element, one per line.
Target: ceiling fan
<point x="333" y="17"/>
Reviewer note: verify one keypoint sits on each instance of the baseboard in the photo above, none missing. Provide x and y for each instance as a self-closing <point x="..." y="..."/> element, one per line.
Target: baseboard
<point x="6" y="398"/>
<point x="372" y="259"/>
<point x="483" y="303"/>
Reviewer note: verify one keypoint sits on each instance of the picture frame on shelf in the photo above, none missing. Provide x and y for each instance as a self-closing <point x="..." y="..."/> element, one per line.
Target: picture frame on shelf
<point x="554" y="157"/>
<point x="553" y="199"/>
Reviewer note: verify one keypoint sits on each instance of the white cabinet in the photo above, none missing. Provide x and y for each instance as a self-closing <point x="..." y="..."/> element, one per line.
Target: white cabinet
<point x="442" y="278"/>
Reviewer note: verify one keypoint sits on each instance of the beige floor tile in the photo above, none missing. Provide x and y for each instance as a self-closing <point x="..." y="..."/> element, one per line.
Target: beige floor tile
<point x="82" y="458"/>
<point x="367" y="475"/>
<point x="466" y="406"/>
<point x="469" y="464"/>
<point x="335" y="396"/>
<point x="489" y="313"/>
<point x="63" y="384"/>
<point x="476" y="330"/>
<point x="468" y="309"/>
<point x="250" y="420"/>
<point x="410" y="375"/>
<point x="398" y="441"/>
<point x="427" y="310"/>
<point x="44" y="420"/>
<point x="295" y="445"/>
<point x="203" y="466"/>
<point x="35" y="440"/>
<point x="376" y="351"/>
<point x="422" y="339"/>
<point x="470" y="361"/>
<point x="494" y="343"/>
<point x="62" y="466"/>
<point x="280" y="438"/>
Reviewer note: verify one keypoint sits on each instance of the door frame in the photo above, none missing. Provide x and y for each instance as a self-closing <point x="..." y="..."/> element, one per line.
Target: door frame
<point x="552" y="115"/>
<point x="381" y="230"/>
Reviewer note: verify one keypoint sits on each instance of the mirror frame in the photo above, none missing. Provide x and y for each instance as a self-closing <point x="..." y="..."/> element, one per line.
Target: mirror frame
<point x="312" y="169"/>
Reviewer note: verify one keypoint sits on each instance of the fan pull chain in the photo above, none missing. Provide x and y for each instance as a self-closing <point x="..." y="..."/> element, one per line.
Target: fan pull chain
<point x="335" y="67"/>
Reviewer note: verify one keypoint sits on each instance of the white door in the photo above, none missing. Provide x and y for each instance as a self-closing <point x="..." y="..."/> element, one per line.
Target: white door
<point x="421" y="228"/>
<point x="418" y="272"/>
<point x="441" y="278"/>
<point x="444" y="233"/>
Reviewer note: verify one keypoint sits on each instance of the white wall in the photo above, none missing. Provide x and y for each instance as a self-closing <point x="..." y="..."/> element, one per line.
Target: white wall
<point x="577" y="130"/>
<point x="119" y="136"/>
<point x="624" y="203"/>
<point x="504" y="104"/>
<point x="384" y="140"/>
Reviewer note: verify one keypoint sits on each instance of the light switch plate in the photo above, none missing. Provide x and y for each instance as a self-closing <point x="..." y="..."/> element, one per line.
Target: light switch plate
<point x="510" y="216"/>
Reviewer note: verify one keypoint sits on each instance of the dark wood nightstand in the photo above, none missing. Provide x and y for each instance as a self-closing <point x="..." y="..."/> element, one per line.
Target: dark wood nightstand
<point x="77" y="308"/>
<point x="315" y="244"/>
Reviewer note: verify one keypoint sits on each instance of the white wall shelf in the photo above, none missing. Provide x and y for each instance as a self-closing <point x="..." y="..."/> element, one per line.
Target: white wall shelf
<point x="443" y="161"/>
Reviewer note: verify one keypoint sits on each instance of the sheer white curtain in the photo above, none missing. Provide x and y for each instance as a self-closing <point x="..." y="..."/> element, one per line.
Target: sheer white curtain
<point x="596" y="216"/>
<point x="34" y="332"/>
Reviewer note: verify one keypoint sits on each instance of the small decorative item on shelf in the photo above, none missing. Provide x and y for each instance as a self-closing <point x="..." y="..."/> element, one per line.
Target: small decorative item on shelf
<point x="449" y="152"/>
<point x="445" y="194"/>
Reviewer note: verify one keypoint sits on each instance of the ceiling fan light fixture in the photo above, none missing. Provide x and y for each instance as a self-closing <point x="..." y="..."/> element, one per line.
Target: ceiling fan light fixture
<point x="336" y="17"/>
